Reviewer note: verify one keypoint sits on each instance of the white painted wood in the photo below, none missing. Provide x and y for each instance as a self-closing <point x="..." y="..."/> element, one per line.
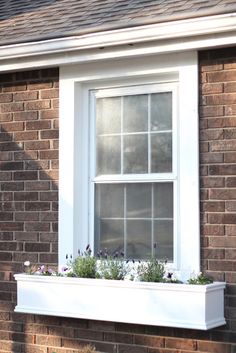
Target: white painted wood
<point x="181" y="29"/>
<point x="174" y="305"/>
<point x="76" y="83"/>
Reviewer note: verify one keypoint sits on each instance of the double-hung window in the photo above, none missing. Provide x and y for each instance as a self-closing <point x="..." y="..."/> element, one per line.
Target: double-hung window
<point x="133" y="177"/>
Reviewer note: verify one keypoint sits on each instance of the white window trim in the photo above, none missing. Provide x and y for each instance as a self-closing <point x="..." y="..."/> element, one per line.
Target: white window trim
<point x="75" y="84"/>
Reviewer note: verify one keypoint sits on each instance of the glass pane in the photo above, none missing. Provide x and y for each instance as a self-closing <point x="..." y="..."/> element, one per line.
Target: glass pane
<point x="136" y="154"/>
<point x="108" y="115"/>
<point x="138" y="239"/>
<point x="109" y="200"/>
<point x="135" y="113"/>
<point x="161" y="111"/>
<point x="163" y="200"/>
<point x="108" y="155"/>
<point x="109" y="235"/>
<point x="139" y="200"/>
<point x="161" y="152"/>
<point x="163" y="238"/>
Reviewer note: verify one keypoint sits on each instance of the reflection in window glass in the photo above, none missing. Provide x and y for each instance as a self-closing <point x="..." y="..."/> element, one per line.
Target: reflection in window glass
<point x="132" y="217"/>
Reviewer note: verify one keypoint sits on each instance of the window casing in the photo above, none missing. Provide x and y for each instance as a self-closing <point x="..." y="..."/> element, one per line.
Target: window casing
<point x="78" y="86"/>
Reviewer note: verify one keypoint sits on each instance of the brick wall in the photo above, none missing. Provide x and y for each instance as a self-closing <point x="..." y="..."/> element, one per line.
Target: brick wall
<point x="28" y="215"/>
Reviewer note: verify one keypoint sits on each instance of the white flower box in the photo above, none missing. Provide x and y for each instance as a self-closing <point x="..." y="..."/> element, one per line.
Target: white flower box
<point x="177" y="305"/>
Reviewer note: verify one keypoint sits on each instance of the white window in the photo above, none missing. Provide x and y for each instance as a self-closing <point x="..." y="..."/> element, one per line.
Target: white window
<point x="133" y="170"/>
<point x="129" y="159"/>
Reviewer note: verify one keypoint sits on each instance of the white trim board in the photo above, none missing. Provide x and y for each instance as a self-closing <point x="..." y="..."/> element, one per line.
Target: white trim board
<point x="175" y="36"/>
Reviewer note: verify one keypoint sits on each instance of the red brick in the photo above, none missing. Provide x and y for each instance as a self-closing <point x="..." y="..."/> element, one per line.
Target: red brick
<point x="210" y="134"/>
<point x="37" y="227"/>
<point x="25" y="96"/>
<point x="208" y="88"/>
<point x="26" y="156"/>
<point x="37" y="247"/>
<point x="50" y="93"/>
<point x="6" y="117"/>
<point x="222" y="242"/>
<point x="213" y="206"/>
<point x="37" y="206"/>
<point x="37" y="145"/>
<point x="211" y="111"/>
<point x="6" y="97"/>
<point x="24" y="116"/>
<point x="40" y="85"/>
<point x="49" y="196"/>
<point x="27" y="216"/>
<point x="50" y="154"/>
<point x="11" y="226"/>
<point x="222" y="218"/>
<point x="213" y="253"/>
<point x="230" y="230"/>
<point x="221" y="76"/>
<point x="223" y="194"/>
<point x="49" y="114"/>
<point x="38" y="125"/>
<point x="208" y="158"/>
<point x="229" y="169"/>
<point x="25" y="135"/>
<point x="209" y="229"/>
<point x="26" y="175"/>
<point x="12" y="107"/>
<point x="230" y="206"/>
<point x="5" y="176"/>
<point x="12" y="186"/>
<point x="37" y="185"/>
<point x="25" y="196"/>
<point x="231" y="182"/>
<point x="49" y="134"/>
<point x="212" y="182"/>
<point x="37" y="105"/>
<point x="16" y="126"/>
<point x="186" y="344"/>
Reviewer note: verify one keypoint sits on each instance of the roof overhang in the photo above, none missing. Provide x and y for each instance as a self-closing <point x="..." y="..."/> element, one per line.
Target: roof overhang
<point x="175" y="36"/>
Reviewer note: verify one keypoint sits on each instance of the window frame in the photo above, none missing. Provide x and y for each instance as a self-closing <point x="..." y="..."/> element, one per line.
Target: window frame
<point x="75" y="84"/>
<point x="148" y="177"/>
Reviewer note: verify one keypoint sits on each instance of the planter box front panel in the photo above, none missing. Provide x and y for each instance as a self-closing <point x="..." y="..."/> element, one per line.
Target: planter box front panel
<point x="176" y="305"/>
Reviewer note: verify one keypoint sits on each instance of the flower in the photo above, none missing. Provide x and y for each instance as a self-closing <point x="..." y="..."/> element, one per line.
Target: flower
<point x="27" y="263"/>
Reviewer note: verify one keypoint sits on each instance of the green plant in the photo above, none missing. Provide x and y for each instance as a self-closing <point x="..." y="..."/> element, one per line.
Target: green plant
<point x="112" y="268"/>
<point x="151" y="271"/>
<point x="200" y="279"/>
<point x="84" y="265"/>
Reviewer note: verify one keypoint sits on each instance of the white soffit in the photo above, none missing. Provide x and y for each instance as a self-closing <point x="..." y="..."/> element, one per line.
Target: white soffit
<point x="198" y="33"/>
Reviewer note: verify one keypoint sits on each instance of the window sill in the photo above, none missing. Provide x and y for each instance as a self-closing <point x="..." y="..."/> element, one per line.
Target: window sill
<point x="161" y="304"/>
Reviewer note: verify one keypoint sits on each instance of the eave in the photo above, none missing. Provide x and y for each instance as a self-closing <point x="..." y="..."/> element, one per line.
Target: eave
<point x="175" y="36"/>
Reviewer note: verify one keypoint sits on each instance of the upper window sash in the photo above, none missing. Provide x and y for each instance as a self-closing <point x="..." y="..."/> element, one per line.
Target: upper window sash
<point x="132" y="91"/>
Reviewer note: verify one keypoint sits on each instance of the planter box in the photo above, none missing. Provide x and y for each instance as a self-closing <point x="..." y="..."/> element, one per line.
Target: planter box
<point x="161" y="304"/>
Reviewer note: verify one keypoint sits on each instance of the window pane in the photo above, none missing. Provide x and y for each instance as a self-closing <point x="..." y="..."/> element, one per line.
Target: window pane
<point x="139" y="200"/>
<point x="163" y="200"/>
<point x="108" y="115"/>
<point x="108" y="155"/>
<point x="136" y="154"/>
<point x="163" y="237"/>
<point x="139" y="239"/>
<point x="109" y="200"/>
<point x="161" y="152"/>
<point x="135" y="113"/>
<point x="161" y="111"/>
<point x="110" y="235"/>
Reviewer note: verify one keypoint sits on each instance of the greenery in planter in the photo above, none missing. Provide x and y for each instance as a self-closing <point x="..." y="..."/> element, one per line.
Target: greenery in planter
<point x="200" y="278"/>
<point x="85" y="265"/>
<point x="151" y="271"/>
<point x="112" y="267"/>
<point x="104" y="266"/>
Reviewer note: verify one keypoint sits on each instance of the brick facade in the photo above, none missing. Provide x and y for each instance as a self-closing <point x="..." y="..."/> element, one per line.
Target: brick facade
<point x="28" y="214"/>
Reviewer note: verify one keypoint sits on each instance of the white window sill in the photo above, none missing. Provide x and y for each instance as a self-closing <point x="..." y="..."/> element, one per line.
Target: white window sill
<point x="161" y="304"/>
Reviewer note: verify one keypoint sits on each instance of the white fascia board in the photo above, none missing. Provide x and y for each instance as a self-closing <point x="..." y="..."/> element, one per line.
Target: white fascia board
<point x="165" y="37"/>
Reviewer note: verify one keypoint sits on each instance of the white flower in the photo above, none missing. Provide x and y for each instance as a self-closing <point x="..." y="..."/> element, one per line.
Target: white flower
<point x="27" y="263"/>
